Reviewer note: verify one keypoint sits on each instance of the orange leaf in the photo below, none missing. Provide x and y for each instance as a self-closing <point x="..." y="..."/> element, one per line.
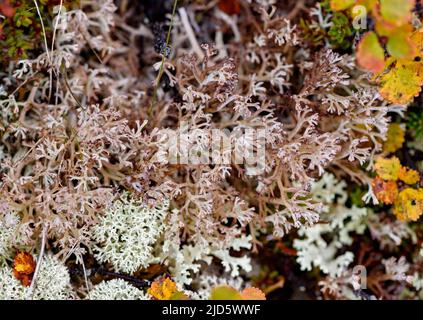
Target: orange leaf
<point x="162" y="289"/>
<point x="253" y="294"/>
<point x="165" y="289"/>
<point x="23" y="267"/>
<point x="385" y="191"/>
<point x="370" y="54"/>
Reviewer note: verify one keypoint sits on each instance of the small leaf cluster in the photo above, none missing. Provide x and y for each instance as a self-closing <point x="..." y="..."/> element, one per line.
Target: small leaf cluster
<point x="225" y="292"/>
<point x="393" y="51"/>
<point x="166" y="289"/>
<point x="389" y="188"/>
<point x="21" y="29"/>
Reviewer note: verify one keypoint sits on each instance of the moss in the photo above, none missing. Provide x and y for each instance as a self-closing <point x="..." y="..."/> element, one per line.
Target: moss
<point x="21" y="34"/>
<point x="340" y="32"/>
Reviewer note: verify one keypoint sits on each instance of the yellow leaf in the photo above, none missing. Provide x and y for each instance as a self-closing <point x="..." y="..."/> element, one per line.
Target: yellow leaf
<point x="179" y="295"/>
<point x="225" y="293"/>
<point x="339" y="5"/>
<point x="409" y="176"/>
<point x="253" y="294"/>
<point x="396" y="11"/>
<point x="384" y="28"/>
<point x="369" y="4"/>
<point x="409" y="204"/>
<point x="385" y="191"/>
<point x="403" y="82"/>
<point x="395" y="138"/>
<point x="400" y="44"/>
<point x="417" y="39"/>
<point x="388" y="169"/>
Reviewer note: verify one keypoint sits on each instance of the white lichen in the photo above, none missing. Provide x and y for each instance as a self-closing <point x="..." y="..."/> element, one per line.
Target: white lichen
<point x="52" y="283"/>
<point x="313" y="250"/>
<point x="9" y="222"/>
<point x="127" y="232"/>
<point x="116" y="289"/>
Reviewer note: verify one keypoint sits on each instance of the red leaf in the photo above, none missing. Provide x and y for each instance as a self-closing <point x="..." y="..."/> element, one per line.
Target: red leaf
<point x="230" y="6"/>
<point x="6" y="8"/>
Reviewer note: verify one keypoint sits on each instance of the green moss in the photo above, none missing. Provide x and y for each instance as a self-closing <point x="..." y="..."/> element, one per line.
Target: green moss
<point x="21" y="31"/>
<point x="340" y="32"/>
<point x="415" y="122"/>
<point x="356" y="197"/>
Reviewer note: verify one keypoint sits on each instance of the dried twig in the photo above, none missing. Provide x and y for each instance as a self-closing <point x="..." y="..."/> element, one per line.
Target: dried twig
<point x="39" y="261"/>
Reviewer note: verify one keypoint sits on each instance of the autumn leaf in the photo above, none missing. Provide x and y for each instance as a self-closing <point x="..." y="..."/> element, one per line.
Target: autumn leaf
<point x="417" y="39"/>
<point x="409" y="204"/>
<point x="165" y="289"/>
<point x="385" y="191"/>
<point x="400" y="45"/>
<point x="388" y="169"/>
<point x="253" y="294"/>
<point x="24" y="263"/>
<point x="384" y="28"/>
<point x="403" y="82"/>
<point x="409" y="176"/>
<point x="396" y="11"/>
<point x="23" y="267"/>
<point x="370" y="54"/>
<point x="179" y="295"/>
<point x="225" y="293"/>
<point x="339" y="5"/>
<point x="7" y="9"/>
<point x="230" y="7"/>
<point x="369" y="4"/>
<point x="395" y="138"/>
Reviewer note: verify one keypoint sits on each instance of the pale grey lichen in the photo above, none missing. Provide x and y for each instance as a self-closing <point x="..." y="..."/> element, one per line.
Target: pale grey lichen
<point x="52" y="283"/>
<point x="9" y="222"/>
<point x="116" y="289"/>
<point x="127" y="232"/>
<point x="313" y="250"/>
<point x="11" y="288"/>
